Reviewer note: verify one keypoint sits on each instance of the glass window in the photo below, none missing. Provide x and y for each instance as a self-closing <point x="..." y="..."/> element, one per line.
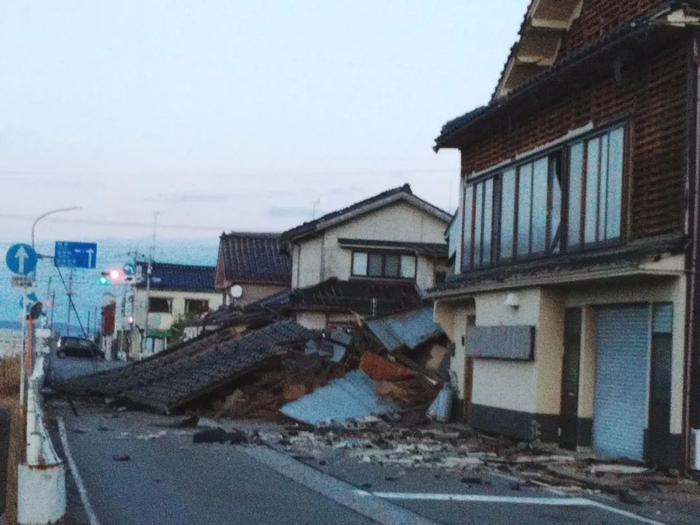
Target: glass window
<point x="540" y="179"/>
<point x="359" y="263"/>
<point x="478" y="222"/>
<point x="391" y="266"/>
<point x="524" y="208"/>
<point x="487" y="230"/>
<point x="575" y="194"/>
<point x="555" y="205"/>
<point x="507" y="213"/>
<point x="592" y="190"/>
<point x="468" y="226"/>
<point x="159" y="305"/>
<point x="196" y="306"/>
<point x="408" y="267"/>
<point x="616" y="151"/>
<point x="375" y="265"/>
<point x="603" y="187"/>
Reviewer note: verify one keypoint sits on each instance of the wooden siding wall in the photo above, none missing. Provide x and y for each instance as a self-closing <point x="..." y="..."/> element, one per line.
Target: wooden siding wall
<point x="653" y="96"/>
<point x="599" y="17"/>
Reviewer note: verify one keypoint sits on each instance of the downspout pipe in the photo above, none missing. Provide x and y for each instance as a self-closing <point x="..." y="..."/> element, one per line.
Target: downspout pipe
<point x="691" y="383"/>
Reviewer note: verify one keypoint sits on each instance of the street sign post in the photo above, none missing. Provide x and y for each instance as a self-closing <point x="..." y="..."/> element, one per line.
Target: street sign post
<point x="21" y="259"/>
<point x="75" y="255"/>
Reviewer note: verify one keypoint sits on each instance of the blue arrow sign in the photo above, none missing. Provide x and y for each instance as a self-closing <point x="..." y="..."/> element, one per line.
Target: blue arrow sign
<point x="21" y="259"/>
<point x="75" y="254"/>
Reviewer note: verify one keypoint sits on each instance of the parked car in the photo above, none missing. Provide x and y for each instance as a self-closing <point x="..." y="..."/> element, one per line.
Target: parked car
<point x="78" y="347"/>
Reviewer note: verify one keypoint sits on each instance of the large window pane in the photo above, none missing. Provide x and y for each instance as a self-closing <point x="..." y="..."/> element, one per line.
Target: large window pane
<point x="539" y="200"/>
<point x="391" y="266"/>
<point x="507" y="213"/>
<point x="359" y="263"/>
<point x="374" y="266"/>
<point x="603" y="185"/>
<point x="555" y="204"/>
<point x="575" y="194"/>
<point x="468" y="224"/>
<point x="524" y="208"/>
<point x="408" y="266"/>
<point x="615" y="171"/>
<point x="478" y="223"/>
<point x="488" y="223"/>
<point x="592" y="190"/>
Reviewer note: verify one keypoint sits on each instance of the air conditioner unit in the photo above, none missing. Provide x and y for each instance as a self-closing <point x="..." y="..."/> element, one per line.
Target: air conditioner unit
<point x="695" y="449"/>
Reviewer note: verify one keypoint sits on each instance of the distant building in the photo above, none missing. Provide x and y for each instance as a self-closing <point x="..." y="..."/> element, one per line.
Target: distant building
<point x="177" y="292"/>
<point x="253" y="265"/>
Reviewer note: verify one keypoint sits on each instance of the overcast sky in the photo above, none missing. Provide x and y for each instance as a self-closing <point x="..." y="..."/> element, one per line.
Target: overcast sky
<point x="230" y="114"/>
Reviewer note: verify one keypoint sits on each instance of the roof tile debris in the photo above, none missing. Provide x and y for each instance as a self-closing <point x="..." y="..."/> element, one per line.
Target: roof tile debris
<point x="181" y="277"/>
<point x="199" y="367"/>
<point x="253" y="258"/>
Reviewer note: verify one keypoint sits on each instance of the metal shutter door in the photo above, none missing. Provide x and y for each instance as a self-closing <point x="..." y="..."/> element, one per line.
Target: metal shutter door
<point x="620" y="408"/>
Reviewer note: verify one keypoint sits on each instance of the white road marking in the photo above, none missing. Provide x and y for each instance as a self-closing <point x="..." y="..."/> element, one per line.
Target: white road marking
<point x="480" y="498"/>
<point x="92" y="517"/>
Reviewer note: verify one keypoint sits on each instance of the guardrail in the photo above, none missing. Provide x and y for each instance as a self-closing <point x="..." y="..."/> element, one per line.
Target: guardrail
<point x="41" y="480"/>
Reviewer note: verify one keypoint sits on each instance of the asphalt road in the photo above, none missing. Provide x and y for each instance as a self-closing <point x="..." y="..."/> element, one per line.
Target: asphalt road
<point x="62" y="368"/>
<point x="169" y="479"/>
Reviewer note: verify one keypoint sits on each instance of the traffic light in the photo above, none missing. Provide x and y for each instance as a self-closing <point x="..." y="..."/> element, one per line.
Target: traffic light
<point x="113" y="276"/>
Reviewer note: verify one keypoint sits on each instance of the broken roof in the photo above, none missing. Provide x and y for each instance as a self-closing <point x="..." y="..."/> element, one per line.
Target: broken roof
<point x="385" y="198"/>
<point x="252" y="258"/>
<point x="406" y="330"/>
<point x="194" y="369"/>
<point x="179" y="277"/>
<point x="427" y="249"/>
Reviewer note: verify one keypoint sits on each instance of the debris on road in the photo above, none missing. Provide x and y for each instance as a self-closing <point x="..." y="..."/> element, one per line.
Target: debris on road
<point x="219" y="435"/>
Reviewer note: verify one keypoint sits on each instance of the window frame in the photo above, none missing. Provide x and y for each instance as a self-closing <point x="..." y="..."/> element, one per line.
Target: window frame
<point x="560" y="151"/>
<point x="169" y="300"/>
<point x="383" y="254"/>
<point x="190" y="300"/>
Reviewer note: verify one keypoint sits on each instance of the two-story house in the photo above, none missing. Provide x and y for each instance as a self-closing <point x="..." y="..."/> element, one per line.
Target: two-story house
<point x="574" y="300"/>
<point x="373" y="257"/>
<point x="177" y="292"/>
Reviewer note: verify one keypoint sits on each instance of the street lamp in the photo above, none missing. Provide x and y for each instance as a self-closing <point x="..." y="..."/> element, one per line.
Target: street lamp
<point x="50" y="212"/>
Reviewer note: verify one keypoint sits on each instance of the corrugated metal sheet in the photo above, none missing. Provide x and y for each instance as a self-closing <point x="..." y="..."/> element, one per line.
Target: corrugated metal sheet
<point x="501" y="342"/>
<point x="351" y="397"/>
<point x="407" y="330"/>
<point x="622" y="379"/>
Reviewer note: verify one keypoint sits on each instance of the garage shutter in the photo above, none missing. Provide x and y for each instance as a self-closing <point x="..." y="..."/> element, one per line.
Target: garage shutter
<point x="620" y="411"/>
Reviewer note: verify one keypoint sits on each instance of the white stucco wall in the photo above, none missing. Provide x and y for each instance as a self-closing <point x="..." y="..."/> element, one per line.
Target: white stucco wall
<point x="321" y="257"/>
<point x="164" y="321"/>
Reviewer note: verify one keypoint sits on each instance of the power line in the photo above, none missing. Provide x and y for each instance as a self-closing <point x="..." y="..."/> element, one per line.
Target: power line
<point x="125" y="224"/>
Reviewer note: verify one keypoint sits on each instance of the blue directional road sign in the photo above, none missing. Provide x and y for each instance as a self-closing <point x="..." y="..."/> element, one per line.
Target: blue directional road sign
<point x="21" y="259"/>
<point x="75" y="254"/>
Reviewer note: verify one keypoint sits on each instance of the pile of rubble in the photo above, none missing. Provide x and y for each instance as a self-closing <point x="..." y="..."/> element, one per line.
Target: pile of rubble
<point x="390" y="367"/>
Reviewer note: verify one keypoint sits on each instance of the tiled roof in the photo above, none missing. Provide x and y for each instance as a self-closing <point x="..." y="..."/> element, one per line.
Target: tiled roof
<point x="364" y="297"/>
<point x="428" y="249"/>
<point x="623" y="33"/>
<point x="253" y="258"/>
<point x="312" y="227"/>
<point x="196" y="368"/>
<point x="179" y="277"/>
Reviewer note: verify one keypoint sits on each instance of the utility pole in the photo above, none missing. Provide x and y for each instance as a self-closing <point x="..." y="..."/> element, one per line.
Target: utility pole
<point x="149" y="270"/>
<point x="69" y="294"/>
